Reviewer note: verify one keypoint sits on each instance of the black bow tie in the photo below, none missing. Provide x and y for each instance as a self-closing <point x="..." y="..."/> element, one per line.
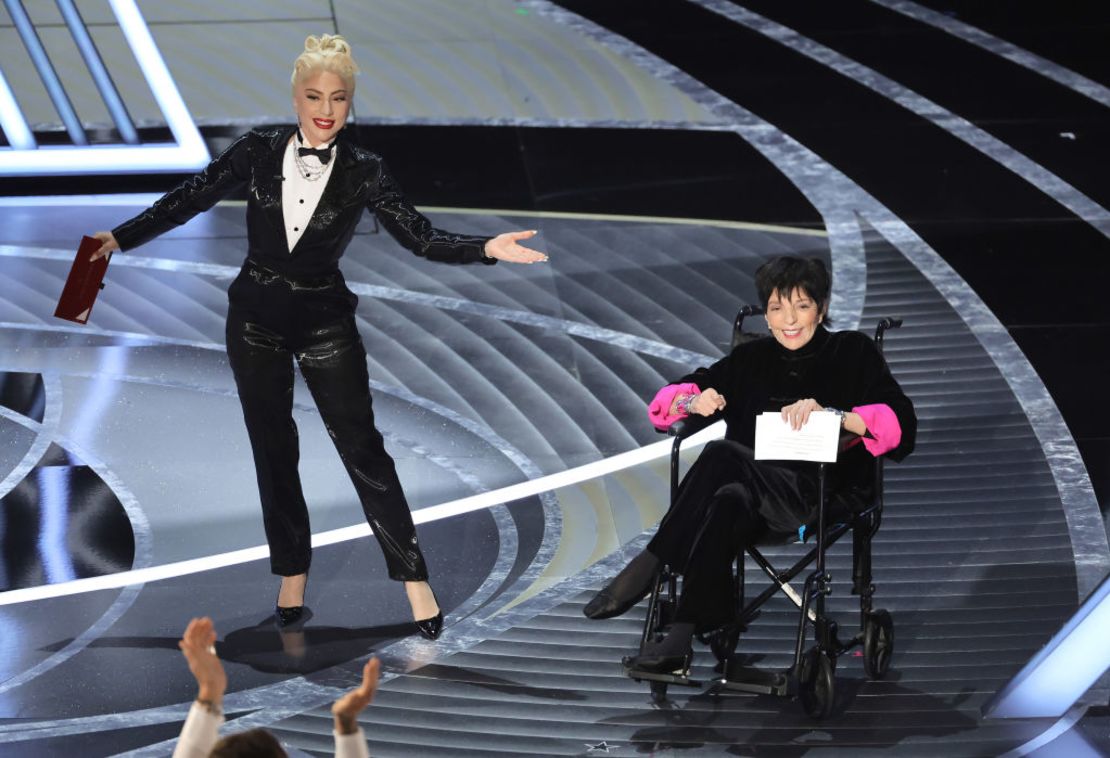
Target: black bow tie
<point x="323" y="153"/>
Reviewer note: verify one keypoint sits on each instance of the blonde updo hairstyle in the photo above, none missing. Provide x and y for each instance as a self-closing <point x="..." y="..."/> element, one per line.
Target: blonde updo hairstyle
<point x="328" y="52"/>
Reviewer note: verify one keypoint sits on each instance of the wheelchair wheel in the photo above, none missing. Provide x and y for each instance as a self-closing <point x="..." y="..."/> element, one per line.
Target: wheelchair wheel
<point x="658" y="692"/>
<point x="817" y="683"/>
<point x="878" y="644"/>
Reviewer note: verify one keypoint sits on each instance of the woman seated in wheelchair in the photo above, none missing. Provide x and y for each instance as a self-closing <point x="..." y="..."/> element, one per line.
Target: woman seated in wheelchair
<point x="728" y="500"/>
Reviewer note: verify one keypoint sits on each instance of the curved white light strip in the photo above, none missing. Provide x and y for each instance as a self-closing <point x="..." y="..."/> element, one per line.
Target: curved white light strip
<point x="120" y="199"/>
<point x="575" y="328"/>
<point x="478" y="502"/>
<point x="961" y="128"/>
<point x="143" y="199"/>
<point x="1072" y="743"/>
<point x="114" y="159"/>
<point x="1000" y="47"/>
<point x="1069" y="664"/>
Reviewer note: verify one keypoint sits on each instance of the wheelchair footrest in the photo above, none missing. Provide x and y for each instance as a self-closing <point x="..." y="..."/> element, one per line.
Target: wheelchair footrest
<point x="757" y="681"/>
<point x="640" y="675"/>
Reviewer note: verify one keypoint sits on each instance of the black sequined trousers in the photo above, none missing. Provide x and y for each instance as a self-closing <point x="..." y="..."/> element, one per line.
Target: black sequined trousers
<point x="272" y="322"/>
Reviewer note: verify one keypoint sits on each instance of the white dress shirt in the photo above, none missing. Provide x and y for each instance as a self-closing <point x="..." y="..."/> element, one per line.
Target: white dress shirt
<point x="299" y="196"/>
<point x="201" y="732"/>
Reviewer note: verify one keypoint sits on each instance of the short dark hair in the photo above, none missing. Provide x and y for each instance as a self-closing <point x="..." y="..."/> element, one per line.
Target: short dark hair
<point x="788" y="273"/>
<point x="253" y="743"/>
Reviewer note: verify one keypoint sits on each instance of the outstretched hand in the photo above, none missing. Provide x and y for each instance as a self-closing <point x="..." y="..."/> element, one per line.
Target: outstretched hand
<point x="504" y="247"/>
<point x="347" y="708"/>
<point x="198" y="645"/>
<point x="107" y="244"/>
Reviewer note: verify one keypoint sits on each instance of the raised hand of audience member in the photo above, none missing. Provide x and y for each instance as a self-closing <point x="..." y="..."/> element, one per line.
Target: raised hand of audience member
<point x="198" y="645"/>
<point x="347" y="708"/>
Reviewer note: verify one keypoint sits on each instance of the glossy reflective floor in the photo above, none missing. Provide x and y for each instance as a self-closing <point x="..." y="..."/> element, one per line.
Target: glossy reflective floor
<point x="123" y="451"/>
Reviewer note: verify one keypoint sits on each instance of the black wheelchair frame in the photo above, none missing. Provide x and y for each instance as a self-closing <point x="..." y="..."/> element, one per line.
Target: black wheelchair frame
<point x="812" y="676"/>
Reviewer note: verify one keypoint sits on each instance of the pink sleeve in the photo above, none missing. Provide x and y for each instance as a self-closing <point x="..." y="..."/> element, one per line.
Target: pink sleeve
<point x="659" y="409"/>
<point x="883" y="425"/>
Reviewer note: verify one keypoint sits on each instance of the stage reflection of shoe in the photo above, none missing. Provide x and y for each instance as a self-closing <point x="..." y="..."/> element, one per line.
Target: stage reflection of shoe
<point x="431" y="628"/>
<point x="293" y="641"/>
<point x="286" y="615"/>
<point x="627" y="588"/>
<point x="672" y="654"/>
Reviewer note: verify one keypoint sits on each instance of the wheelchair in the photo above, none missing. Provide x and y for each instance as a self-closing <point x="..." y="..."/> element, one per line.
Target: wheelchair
<point x="811" y="678"/>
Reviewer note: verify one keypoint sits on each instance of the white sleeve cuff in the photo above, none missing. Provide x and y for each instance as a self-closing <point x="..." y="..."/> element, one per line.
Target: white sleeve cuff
<point x="199" y="734"/>
<point x="351" y="745"/>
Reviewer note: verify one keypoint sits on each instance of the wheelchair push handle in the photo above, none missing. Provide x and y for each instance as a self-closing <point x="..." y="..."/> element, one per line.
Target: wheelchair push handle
<point x="882" y="326"/>
<point x="744" y="312"/>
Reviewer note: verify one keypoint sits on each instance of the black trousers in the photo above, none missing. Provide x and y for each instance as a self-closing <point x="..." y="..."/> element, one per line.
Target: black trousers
<point x="726" y="502"/>
<point x="272" y="322"/>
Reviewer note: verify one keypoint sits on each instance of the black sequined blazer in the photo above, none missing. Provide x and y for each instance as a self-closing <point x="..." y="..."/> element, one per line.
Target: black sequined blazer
<point x="359" y="180"/>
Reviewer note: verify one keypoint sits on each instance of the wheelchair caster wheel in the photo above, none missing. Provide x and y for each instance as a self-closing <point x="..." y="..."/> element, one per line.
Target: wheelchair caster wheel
<point x="658" y="692"/>
<point x="817" y="683"/>
<point x="878" y="644"/>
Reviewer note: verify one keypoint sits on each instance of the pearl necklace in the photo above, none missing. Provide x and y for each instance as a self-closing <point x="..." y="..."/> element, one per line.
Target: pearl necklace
<point x="308" y="172"/>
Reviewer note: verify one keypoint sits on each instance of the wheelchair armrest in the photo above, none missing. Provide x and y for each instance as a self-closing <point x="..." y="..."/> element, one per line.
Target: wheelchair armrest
<point x="681" y="430"/>
<point x="687" y="427"/>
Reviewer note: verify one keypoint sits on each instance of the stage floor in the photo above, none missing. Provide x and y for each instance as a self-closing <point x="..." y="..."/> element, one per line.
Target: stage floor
<point x="497" y="389"/>
<point x="948" y="166"/>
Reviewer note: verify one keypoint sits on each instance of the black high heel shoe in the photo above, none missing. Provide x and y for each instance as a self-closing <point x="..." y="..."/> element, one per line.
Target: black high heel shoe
<point x="287" y="616"/>
<point x="292" y="614"/>
<point x="430" y="629"/>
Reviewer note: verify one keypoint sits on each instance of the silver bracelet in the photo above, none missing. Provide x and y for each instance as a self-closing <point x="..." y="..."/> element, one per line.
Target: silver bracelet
<point x="686" y="404"/>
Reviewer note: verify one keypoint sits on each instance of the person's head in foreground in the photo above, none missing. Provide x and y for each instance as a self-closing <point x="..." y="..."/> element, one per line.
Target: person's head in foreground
<point x="198" y="735"/>
<point x="253" y="743"/>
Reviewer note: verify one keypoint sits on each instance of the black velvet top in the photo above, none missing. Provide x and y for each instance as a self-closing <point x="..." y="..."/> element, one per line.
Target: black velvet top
<point x="838" y="369"/>
<point x="359" y="180"/>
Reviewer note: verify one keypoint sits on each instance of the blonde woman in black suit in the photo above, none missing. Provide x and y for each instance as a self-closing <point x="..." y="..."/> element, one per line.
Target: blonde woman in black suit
<point x="307" y="188"/>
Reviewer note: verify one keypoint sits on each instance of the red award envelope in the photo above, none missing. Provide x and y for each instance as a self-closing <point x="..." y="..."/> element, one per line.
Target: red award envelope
<point x="83" y="284"/>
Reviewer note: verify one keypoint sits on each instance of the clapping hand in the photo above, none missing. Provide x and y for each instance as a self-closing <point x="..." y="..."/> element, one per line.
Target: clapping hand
<point x="347" y="708"/>
<point x="504" y="247"/>
<point x="198" y="645"/>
